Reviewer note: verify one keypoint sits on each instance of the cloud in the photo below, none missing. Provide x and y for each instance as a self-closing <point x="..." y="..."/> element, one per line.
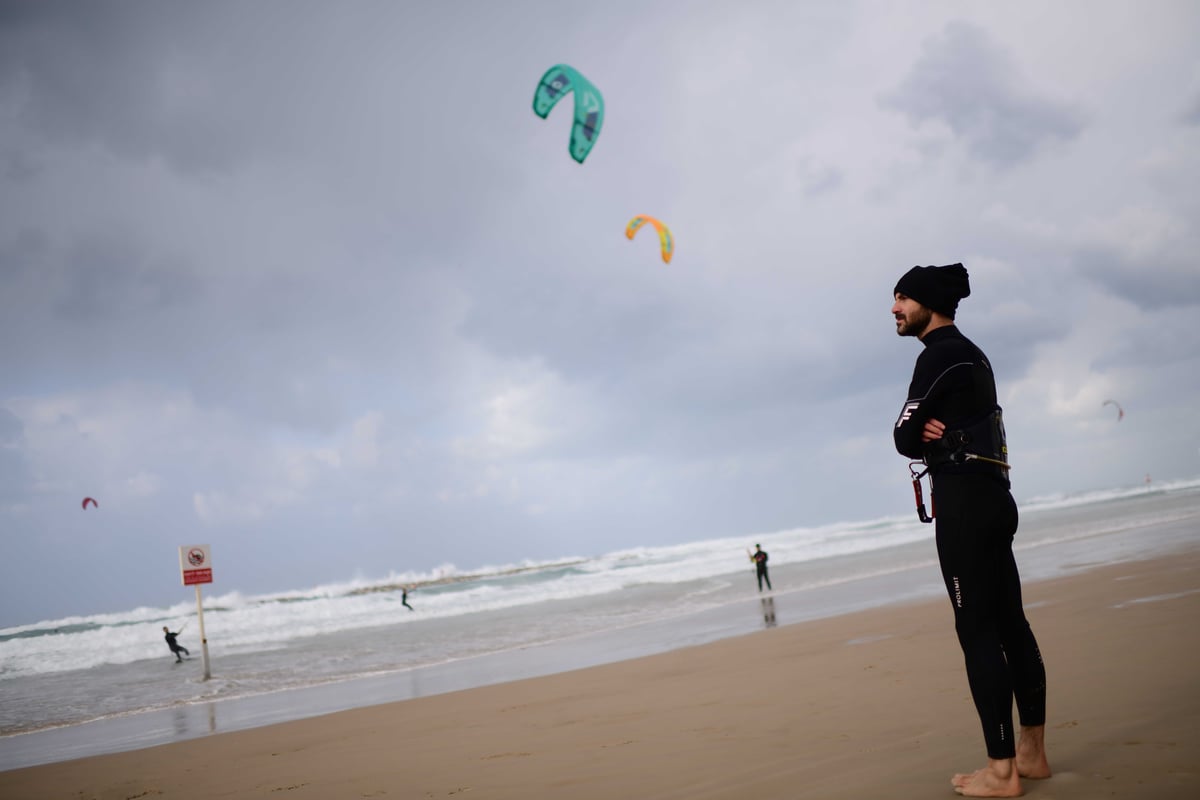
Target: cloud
<point x="105" y="277"/>
<point x="217" y="508"/>
<point x="144" y="484"/>
<point x="1144" y="255"/>
<point x="1191" y="112"/>
<point x="15" y="480"/>
<point x="316" y="274"/>
<point x="967" y="82"/>
<point x="153" y="96"/>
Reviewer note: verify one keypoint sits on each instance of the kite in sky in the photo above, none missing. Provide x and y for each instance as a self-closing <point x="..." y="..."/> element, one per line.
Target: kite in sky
<point x="1120" y="411"/>
<point x="589" y="106"/>
<point x="87" y="500"/>
<point x="664" y="234"/>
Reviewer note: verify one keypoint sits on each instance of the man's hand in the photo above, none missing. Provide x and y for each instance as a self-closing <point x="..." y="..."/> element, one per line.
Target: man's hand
<point x="933" y="430"/>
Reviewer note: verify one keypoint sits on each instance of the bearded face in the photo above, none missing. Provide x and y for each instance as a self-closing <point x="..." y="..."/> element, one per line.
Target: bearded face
<point x="912" y="318"/>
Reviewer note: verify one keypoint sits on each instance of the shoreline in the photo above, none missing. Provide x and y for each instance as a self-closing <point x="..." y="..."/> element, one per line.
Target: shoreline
<point x="147" y="707"/>
<point x="754" y="612"/>
<point x="797" y="705"/>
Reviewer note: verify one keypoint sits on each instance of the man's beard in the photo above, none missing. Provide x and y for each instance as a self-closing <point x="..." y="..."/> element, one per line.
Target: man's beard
<point x="914" y="323"/>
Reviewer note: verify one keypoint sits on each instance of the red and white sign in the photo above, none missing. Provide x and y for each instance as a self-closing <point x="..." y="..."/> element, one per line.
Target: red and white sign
<point x="195" y="564"/>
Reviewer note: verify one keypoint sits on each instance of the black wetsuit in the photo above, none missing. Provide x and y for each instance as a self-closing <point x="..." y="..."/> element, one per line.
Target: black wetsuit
<point x="176" y="648"/>
<point x="976" y="519"/>
<point x="760" y="568"/>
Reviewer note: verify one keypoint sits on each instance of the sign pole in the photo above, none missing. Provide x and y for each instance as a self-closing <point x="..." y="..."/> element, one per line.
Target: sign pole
<point x="203" y="638"/>
<point x="195" y="567"/>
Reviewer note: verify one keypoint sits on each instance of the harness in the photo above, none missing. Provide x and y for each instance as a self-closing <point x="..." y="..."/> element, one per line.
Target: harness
<point x="984" y="434"/>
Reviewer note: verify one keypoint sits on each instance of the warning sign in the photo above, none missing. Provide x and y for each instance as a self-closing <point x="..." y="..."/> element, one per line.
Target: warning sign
<point x="195" y="564"/>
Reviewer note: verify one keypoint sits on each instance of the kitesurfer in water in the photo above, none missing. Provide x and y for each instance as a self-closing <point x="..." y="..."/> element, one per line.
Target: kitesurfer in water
<point x="175" y="646"/>
<point x="759" y="557"/>
<point x="404" y="598"/>
<point x="952" y="422"/>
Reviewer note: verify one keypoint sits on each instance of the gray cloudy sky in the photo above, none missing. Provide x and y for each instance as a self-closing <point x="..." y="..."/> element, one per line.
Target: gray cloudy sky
<point x="310" y="282"/>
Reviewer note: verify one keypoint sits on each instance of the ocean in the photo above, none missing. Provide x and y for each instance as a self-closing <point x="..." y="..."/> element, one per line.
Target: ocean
<point x="92" y="684"/>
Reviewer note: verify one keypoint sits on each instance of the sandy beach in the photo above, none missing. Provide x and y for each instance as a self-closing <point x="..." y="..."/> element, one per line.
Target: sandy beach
<point x="873" y="704"/>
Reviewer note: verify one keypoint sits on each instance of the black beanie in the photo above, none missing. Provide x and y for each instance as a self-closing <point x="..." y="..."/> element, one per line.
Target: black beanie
<point x="937" y="288"/>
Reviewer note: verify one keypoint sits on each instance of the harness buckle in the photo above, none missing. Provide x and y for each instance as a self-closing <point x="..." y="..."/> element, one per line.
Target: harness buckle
<point x="916" y="480"/>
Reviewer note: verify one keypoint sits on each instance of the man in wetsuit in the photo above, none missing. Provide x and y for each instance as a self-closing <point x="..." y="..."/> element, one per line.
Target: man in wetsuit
<point x="952" y="422"/>
<point x="175" y="646"/>
<point x="759" y="557"/>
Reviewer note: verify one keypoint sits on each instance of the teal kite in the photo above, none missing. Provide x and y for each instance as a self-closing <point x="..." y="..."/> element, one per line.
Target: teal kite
<point x="589" y="106"/>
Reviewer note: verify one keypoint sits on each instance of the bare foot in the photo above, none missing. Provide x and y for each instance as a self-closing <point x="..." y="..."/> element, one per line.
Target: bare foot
<point x="1031" y="753"/>
<point x="997" y="779"/>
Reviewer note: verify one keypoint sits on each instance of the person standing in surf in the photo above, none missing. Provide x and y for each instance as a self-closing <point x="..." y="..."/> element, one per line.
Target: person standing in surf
<point x="404" y="598"/>
<point x="175" y="646"/>
<point x="952" y="423"/>
<point x="759" y="557"/>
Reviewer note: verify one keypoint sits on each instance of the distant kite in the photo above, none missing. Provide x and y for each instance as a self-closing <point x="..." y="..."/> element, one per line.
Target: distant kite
<point x="665" y="240"/>
<point x="1120" y="411"/>
<point x="87" y="500"/>
<point x="589" y="106"/>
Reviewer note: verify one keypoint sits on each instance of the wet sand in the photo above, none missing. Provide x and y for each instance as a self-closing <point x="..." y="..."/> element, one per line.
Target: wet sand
<point x="872" y="704"/>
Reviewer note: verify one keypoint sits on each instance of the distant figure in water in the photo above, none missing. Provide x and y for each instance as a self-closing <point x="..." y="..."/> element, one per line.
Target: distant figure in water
<point x="404" y="597"/>
<point x="175" y="646"/>
<point x="759" y="557"/>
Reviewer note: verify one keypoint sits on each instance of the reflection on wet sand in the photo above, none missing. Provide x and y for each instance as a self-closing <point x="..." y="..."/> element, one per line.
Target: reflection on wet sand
<point x="184" y="720"/>
<point x="768" y="611"/>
